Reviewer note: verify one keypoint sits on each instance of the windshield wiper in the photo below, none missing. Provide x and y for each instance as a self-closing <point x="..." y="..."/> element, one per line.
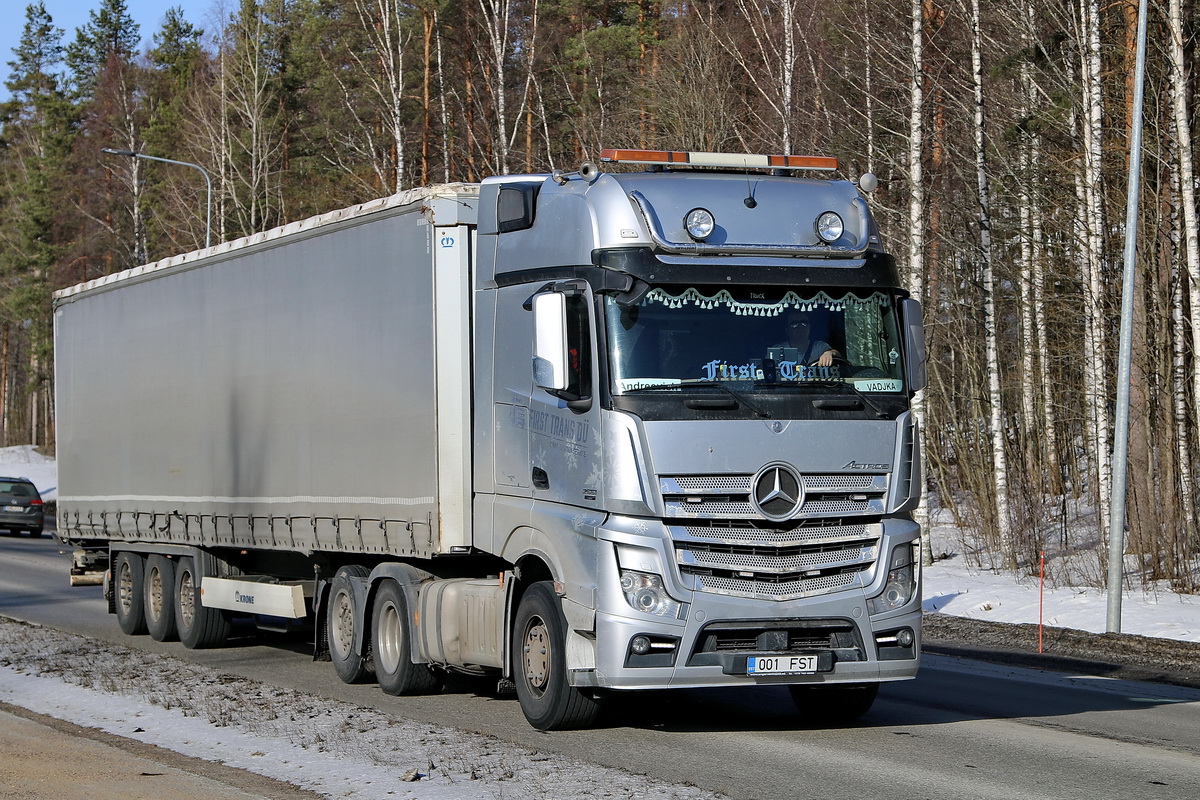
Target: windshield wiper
<point x="846" y="387"/>
<point x="739" y="396"/>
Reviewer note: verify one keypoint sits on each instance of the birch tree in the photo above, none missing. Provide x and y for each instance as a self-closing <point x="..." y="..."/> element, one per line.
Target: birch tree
<point x="916" y="229"/>
<point x="504" y="40"/>
<point x="1089" y="188"/>
<point x="1004" y="526"/>
<point x="1182" y="130"/>
<point x="767" y="55"/>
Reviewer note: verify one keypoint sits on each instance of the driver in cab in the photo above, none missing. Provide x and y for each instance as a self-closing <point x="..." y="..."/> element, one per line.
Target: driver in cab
<point x="803" y="345"/>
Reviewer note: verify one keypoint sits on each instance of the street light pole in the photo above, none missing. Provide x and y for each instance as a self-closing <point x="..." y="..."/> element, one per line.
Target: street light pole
<point x="1116" y="521"/>
<point x="207" y="181"/>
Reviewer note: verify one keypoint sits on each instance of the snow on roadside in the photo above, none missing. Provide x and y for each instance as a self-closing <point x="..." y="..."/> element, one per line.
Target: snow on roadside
<point x="334" y="748"/>
<point x="952" y="586"/>
<point x="23" y="461"/>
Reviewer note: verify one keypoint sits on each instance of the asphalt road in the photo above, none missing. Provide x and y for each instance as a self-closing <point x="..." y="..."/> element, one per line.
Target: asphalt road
<point x="963" y="729"/>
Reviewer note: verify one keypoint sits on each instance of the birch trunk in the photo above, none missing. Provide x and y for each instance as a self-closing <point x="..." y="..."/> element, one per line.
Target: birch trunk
<point x="1191" y="227"/>
<point x="916" y="235"/>
<point x="1049" y="412"/>
<point x="869" y="93"/>
<point x="443" y="111"/>
<point x="1004" y="528"/>
<point x="1095" y="353"/>
<point x="1029" y="361"/>
<point x="1186" y="240"/>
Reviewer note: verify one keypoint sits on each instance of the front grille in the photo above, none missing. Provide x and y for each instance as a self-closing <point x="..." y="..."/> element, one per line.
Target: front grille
<point x="777" y="560"/>
<point x="725" y="545"/>
<point x="777" y="563"/>
<point x="728" y="496"/>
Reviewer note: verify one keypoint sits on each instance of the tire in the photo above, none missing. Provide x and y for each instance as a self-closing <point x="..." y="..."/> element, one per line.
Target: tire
<point x="833" y="704"/>
<point x="199" y="627"/>
<point x="128" y="572"/>
<point x="392" y="646"/>
<point x="341" y="618"/>
<point x="539" y="634"/>
<point x="159" y="598"/>
<point x="36" y="534"/>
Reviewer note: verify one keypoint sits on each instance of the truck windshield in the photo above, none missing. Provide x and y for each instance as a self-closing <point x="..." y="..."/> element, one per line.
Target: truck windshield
<point x="754" y="338"/>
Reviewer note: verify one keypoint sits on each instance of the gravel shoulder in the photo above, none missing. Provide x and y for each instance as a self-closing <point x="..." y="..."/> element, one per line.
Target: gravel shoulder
<point x="1113" y="655"/>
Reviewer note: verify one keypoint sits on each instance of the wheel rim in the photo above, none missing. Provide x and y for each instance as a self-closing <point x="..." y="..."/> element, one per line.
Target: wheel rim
<point x="125" y="587"/>
<point x="389" y="648"/>
<point x="187" y="600"/>
<point x="155" y="584"/>
<point x="342" y="637"/>
<point x="537" y="655"/>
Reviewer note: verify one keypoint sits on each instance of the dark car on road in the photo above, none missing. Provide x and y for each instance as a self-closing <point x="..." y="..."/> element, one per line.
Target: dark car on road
<point x="21" y="507"/>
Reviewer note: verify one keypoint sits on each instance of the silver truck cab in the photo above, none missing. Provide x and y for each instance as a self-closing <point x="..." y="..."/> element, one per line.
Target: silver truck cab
<point x="713" y="456"/>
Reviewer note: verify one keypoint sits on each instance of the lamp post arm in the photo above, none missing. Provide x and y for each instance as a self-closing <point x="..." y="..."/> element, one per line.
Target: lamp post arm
<point x="203" y="171"/>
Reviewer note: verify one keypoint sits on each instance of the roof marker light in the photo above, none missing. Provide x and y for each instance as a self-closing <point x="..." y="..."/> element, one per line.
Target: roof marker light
<point x="727" y="160"/>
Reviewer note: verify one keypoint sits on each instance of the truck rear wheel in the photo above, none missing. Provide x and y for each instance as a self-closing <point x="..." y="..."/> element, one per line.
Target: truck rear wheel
<point x="833" y="703"/>
<point x="159" y="581"/>
<point x="342" y="619"/>
<point x="199" y="627"/>
<point x="128" y="573"/>
<point x="539" y="665"/>
<point x="394" y="669"/>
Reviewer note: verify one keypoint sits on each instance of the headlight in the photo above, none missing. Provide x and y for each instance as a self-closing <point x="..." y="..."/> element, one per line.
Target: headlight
<point x="830" y="227"/>
<point x="699" y="223"/>
<point x="901" y="581"/>
<point x="646" y="593"/>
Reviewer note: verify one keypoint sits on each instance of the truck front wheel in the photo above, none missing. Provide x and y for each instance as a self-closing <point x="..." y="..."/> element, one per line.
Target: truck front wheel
<point x="128" y="574"/>
<point x="341" y="621"/>
<point x="159" y="603"/>
<point x="198" y="626"/>
<point x="539" y="665"/>
<point x="835" y="703"/>
<point x="394" y="669"/>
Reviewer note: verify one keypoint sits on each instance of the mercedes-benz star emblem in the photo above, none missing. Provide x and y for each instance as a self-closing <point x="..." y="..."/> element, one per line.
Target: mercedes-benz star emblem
<point x="778" y="492"/>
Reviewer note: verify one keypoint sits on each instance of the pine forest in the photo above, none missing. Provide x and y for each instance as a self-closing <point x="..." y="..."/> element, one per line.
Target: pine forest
<point x="999" y="132"/>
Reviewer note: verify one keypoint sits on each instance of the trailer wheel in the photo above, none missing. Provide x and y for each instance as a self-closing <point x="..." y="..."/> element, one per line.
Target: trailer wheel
<point x="343" y="617"/>
<point x="199" y="627"/>
<point x="127" y="590"/>
<point x="159" y="583"/>
<point x="539" y="669"/>
<point x="394" y="669"/>
<point x="835" y="703"/>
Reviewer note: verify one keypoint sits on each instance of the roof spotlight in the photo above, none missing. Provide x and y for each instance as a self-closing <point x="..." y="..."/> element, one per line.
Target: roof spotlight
<point x="830" y="227"/>
<point x="699" y="223"/>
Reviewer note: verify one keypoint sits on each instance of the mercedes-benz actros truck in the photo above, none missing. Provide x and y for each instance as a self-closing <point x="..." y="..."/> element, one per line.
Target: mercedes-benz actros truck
<point x="624" y="428"/>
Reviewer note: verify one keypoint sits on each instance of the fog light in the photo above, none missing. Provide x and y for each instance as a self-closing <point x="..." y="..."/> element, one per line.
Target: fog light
<point x="640" y="645"/>
<point x="904" y="637"/>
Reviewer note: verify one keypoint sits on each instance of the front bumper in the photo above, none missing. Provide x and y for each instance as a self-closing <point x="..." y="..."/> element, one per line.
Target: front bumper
<point x="718" y="633"/>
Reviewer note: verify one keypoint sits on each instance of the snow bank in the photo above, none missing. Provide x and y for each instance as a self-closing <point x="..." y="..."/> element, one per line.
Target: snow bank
<point x="23" y="461"/>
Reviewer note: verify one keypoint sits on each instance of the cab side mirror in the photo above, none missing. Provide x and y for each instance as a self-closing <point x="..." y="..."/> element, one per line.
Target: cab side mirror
<point x="550" y="341"/>
<point x="914" y="345"/>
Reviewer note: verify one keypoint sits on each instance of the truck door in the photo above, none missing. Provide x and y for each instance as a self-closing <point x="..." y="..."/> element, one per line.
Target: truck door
<point x="564" y="451"/>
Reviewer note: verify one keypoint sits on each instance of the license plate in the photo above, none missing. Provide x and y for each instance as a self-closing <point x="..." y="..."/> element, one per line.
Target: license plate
<point x="14" y="508"/>
<point x="781" y="665"/>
